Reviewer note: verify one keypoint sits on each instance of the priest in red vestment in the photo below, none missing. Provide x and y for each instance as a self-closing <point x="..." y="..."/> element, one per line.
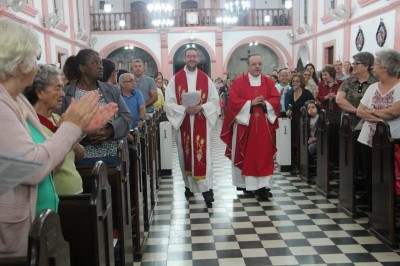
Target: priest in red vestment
<point x="249" y="129"/>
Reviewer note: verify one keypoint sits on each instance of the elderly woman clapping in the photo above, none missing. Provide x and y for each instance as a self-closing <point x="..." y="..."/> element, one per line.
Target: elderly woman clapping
<point x="45" y="95"/>
<point x="22" y="136"/>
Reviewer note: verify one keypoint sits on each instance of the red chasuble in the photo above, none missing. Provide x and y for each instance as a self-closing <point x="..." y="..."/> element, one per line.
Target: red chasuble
<point x="255" y="143"/>
<point x="198" y="145"/>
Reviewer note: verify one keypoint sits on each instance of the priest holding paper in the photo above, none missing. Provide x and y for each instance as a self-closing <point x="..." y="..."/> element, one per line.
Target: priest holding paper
<point x="192" y="107"/>
<point x="249" y="129"/>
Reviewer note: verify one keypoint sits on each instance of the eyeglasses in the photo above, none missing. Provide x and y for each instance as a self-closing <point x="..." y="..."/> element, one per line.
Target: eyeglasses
<point x="357" y="63"/>
<point x="192" y="56"/>
<point x="129" y="81"/>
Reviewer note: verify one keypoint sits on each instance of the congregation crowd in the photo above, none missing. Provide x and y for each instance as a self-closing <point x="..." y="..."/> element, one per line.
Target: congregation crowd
<point x="75" y="117"/>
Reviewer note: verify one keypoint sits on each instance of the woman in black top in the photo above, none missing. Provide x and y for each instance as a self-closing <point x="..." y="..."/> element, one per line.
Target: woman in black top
<point x="297" y="98"/>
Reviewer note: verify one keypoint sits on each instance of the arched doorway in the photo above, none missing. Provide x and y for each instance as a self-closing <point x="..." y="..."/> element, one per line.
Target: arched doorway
<point x="123" y="59"/>
<point x="204" y="64"/>
<point x="303" y="58"/>
<point x="237" y="63"/>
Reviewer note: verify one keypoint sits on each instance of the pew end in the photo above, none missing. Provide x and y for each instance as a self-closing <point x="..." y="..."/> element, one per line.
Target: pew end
<point x="384" y="207"/>
<point x="86" y="221"/>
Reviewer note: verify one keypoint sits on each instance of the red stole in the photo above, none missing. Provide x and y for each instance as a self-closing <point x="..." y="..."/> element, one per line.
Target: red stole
<point x="199" y="144"/>
<point x="47" y="123"/>
<point x="255" y="143"/>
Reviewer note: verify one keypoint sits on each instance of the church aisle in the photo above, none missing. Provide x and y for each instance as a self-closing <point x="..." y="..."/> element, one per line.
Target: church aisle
<point x="296" y="227"/>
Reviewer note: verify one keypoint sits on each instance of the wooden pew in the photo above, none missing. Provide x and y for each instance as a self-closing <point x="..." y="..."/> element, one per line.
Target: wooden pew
<point x="46" y="245"/>
<point x="152" y="161"/>
<point x="86" y="221"/>
<point x="144" y="151"/>
<point x="305" y="173"/>
<point x="382" y="219"/>
<point x="135" y="175"/>
<point x="322" y="179"/>
<point x="347" y="165"/>
<point x="327" y="155"/>
<point x="118" y="179"/>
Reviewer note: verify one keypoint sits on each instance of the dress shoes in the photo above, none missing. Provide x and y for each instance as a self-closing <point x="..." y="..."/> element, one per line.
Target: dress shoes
<point x="188" y="193"/>
<point x="242" y="189"/>
<point x="295" y="171"/>
<point x="264" y="193"/>
<point x="208" y="196"/>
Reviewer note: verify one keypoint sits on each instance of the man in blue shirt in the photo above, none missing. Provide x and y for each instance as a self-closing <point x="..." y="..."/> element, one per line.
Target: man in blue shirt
<point x="133" y="99"/>
<point x="145" y="85"/>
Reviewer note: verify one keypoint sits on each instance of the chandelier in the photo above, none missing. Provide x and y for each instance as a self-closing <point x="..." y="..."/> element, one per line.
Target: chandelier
<point x="237" y="7"/>
<point x="160" y="15"/>
<point x="233" y="10"/>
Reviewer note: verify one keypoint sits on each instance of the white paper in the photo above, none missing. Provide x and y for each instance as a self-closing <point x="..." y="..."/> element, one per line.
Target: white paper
<point x="191" y="99"/>
<point x="15" y="170"/>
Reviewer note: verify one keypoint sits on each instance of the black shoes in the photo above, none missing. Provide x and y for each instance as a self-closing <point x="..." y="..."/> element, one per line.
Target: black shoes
<point x="295" y="171"/>
<point x="188" y="193"/>
<point x="242" y="189"/>
<point x="263" y="193"/>
<point x="208" y="196"/>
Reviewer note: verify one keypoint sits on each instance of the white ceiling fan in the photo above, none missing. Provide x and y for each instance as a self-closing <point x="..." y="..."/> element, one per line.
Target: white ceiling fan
<point x="340" y="13"/>
<point x="53" y="20"/>
<point x="16" y="5"/>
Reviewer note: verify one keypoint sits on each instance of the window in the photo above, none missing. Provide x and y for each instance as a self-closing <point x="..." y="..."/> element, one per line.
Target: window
<point x="305" y="18"/>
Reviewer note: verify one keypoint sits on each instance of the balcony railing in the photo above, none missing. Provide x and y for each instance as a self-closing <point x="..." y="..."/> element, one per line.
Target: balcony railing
<point x="138" y="20"/>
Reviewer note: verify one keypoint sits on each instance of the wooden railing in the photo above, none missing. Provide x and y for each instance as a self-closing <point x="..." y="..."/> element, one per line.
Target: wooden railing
<point x="137" y="20"/>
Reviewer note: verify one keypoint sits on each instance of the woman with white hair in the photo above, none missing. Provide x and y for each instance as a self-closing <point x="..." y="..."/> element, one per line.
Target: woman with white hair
<point x="22" y="135"/>
<point x="381" y="101"/>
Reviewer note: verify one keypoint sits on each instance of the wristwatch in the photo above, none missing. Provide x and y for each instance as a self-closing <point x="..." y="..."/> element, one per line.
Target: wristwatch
<point x="141" y="119"/>
<point x="202" y="109"/>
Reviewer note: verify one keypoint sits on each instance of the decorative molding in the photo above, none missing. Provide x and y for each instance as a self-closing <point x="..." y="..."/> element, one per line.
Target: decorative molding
<point x="271" y="43"/>
<point x="375" y="13"/>
<point x="327" y="18"/>
<point x="30" y="10"/>
<point x="364" y="3"/>
<point x="62" y="26"/>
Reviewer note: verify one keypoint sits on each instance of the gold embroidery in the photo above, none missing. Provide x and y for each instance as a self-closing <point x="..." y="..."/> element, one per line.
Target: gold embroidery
<point x="186" y="144"/>
<point x="199" y="152"/>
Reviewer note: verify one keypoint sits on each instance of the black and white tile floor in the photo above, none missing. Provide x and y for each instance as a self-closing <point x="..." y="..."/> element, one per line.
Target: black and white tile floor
<point x="296" y="227"/>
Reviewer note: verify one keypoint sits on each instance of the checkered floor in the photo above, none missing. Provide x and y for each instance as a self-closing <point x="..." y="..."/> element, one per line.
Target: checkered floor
<point x="296" y="227"/>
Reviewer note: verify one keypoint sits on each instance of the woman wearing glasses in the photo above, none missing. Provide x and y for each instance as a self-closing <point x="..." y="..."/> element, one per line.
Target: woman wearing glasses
<point x="381" y="101"/>
<point x="297" y="98"/>
<point x="353" y="88"/>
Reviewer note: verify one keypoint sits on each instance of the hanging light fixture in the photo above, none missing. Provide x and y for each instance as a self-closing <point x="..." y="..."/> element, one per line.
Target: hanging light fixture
<point x="160" y="14"/>
<point x="107" y="7"/>
<point x="253" y="43"/>
<point x="233" y="10"/>
<point x="129" y="47"/>
<point x="237" y="7"/>
<point x="288" y="4"/>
